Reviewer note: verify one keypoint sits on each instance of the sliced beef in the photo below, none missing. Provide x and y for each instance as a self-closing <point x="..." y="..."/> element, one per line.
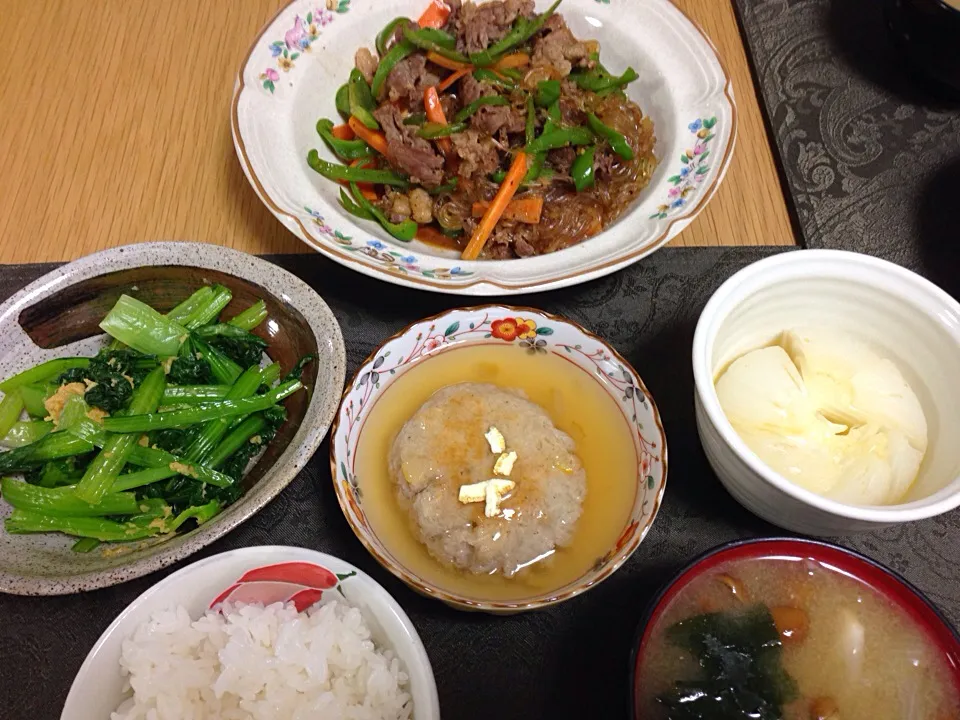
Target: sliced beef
<point x="408" y="80"/>
<point x="366" y="63"/>
<point x="606" y="164"/>
<point x="511" y="239"/>
<point x="558" y="48"/>
<point x="562" y="159"/>
<point x="492" y="119"/>
<point x="478" y="153"/>
<point x="472" y="89"/>
<point x="406" y="151"/>
<point x="571" y="112"/>
<point x="479" y="26"/>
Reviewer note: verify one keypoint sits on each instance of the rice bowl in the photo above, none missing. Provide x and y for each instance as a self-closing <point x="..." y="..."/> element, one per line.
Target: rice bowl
<point x="261" y="662"/>
<point x="347" y="634"/>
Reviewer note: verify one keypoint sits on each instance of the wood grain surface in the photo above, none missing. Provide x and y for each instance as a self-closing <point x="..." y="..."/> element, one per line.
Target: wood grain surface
<point x="114" y="129"/>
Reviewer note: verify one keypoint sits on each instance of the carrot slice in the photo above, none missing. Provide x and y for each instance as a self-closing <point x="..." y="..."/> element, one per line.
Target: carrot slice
<point x="450" y="80"/>
<point x="493" y="214"/>
<point x="375" y="139"/>
<point x="526" y="209"/>
<point x="366" y="189"/>
<point x="512" y="61"/>
<point x="434" y="112"/>
<point x="343" y="132"/>
<point x="435" y="16"/>
<point x="447" y="63"/>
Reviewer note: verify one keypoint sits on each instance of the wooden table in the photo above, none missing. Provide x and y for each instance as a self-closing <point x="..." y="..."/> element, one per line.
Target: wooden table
<point x="114" y="129"/>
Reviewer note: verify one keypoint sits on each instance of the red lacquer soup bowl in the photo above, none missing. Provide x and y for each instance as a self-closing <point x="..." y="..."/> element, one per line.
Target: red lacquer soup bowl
<point x="900" y="593"/>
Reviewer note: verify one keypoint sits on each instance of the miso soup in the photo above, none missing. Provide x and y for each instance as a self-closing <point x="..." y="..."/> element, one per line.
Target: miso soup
<point x="790" y="638"/>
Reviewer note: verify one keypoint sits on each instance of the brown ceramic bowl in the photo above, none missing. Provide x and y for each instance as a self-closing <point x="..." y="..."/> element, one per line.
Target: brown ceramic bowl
<point x="59" y="314"/>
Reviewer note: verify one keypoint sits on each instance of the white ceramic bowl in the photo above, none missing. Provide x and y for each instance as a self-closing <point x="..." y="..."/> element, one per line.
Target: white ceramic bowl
<point x="906" y="318"/>
<point x="298" y="60"/>
<point x="98" y="688"/>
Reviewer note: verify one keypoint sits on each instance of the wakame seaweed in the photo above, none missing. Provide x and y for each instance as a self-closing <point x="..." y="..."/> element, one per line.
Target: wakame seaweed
<point x="741" y="668"/>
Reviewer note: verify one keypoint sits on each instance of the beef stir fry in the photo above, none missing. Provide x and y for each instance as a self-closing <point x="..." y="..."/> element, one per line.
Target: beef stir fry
<point x="487" y="128"/>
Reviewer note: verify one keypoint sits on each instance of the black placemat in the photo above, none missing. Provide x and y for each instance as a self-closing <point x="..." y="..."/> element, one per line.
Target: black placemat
<point x="870" y="153"/>
<point x="567" y="661"/>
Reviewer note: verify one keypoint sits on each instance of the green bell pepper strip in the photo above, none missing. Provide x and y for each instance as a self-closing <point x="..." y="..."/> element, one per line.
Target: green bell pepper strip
<point x="618" y="142"/>
<point x="417" y="118"/>
<point x="403" y="231"/>
<point x="472" y="108"/>
<point x="362" y="103"/>
<point x="548" y="92"/>
<point x="523" y="30"/>
<point x="426" y="41"/>
<point x="387" y="63"/>
<point x="431" y="131"/>
<point x="531" y="126"/>
<point x="354" y="174"/>
<point x="42" y="372"/>
<point x="343" y="101"/>
<point x="561" y="137"/>
<point x="445" y="188"/>
<point x="438" y="37"/>
<point x="106" y="466"/>
<point x="582" y="169"/>
<point x="347" y="203"/>
<point x="600" y="82"/>
<point x="383" y="37"/>
<point x="489" y="76"/>
<point x="515" y="74"/>
<point x="535" y="170"/>
<point x="344" y="149"/>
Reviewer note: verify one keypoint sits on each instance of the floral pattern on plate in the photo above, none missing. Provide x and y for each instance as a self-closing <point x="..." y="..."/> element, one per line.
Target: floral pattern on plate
<point x="298" y="39"/>
<point x="537" y="332"/>
<point x="695" y="168"/>
<point x="393" y="261"/>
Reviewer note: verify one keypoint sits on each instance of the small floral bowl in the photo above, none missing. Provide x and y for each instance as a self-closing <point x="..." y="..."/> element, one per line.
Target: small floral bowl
<point x="537" y="332"/>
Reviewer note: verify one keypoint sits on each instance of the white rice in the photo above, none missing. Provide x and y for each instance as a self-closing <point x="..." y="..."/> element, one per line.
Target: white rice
<point x="261" y="663"/>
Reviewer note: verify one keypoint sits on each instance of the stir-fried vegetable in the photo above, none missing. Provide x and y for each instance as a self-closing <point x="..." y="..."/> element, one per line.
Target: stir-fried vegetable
<point x="617" y="141"/>
<point x="582" y="169"/>
<point x="388" y="32"/>
<point x="125" y="452"/>
<point x="480" y="111"/>
<point x="345" y="149"/>
<point x="522" y="31"/>
<point x="500" y="201"/>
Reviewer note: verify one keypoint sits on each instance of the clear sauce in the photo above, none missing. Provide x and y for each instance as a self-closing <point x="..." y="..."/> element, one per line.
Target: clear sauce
<point x="577" y="404"/>
<point x="896" y="672"/>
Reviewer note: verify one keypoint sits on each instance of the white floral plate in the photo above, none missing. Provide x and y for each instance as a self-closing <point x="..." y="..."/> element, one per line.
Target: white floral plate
<point x="537" y="332"/>
<point x="289" y="78"/>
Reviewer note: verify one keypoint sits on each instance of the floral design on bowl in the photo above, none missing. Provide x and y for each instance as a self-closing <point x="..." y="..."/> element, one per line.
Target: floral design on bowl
<point x="537" y="332"/>
<point x="273" y="128"/>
